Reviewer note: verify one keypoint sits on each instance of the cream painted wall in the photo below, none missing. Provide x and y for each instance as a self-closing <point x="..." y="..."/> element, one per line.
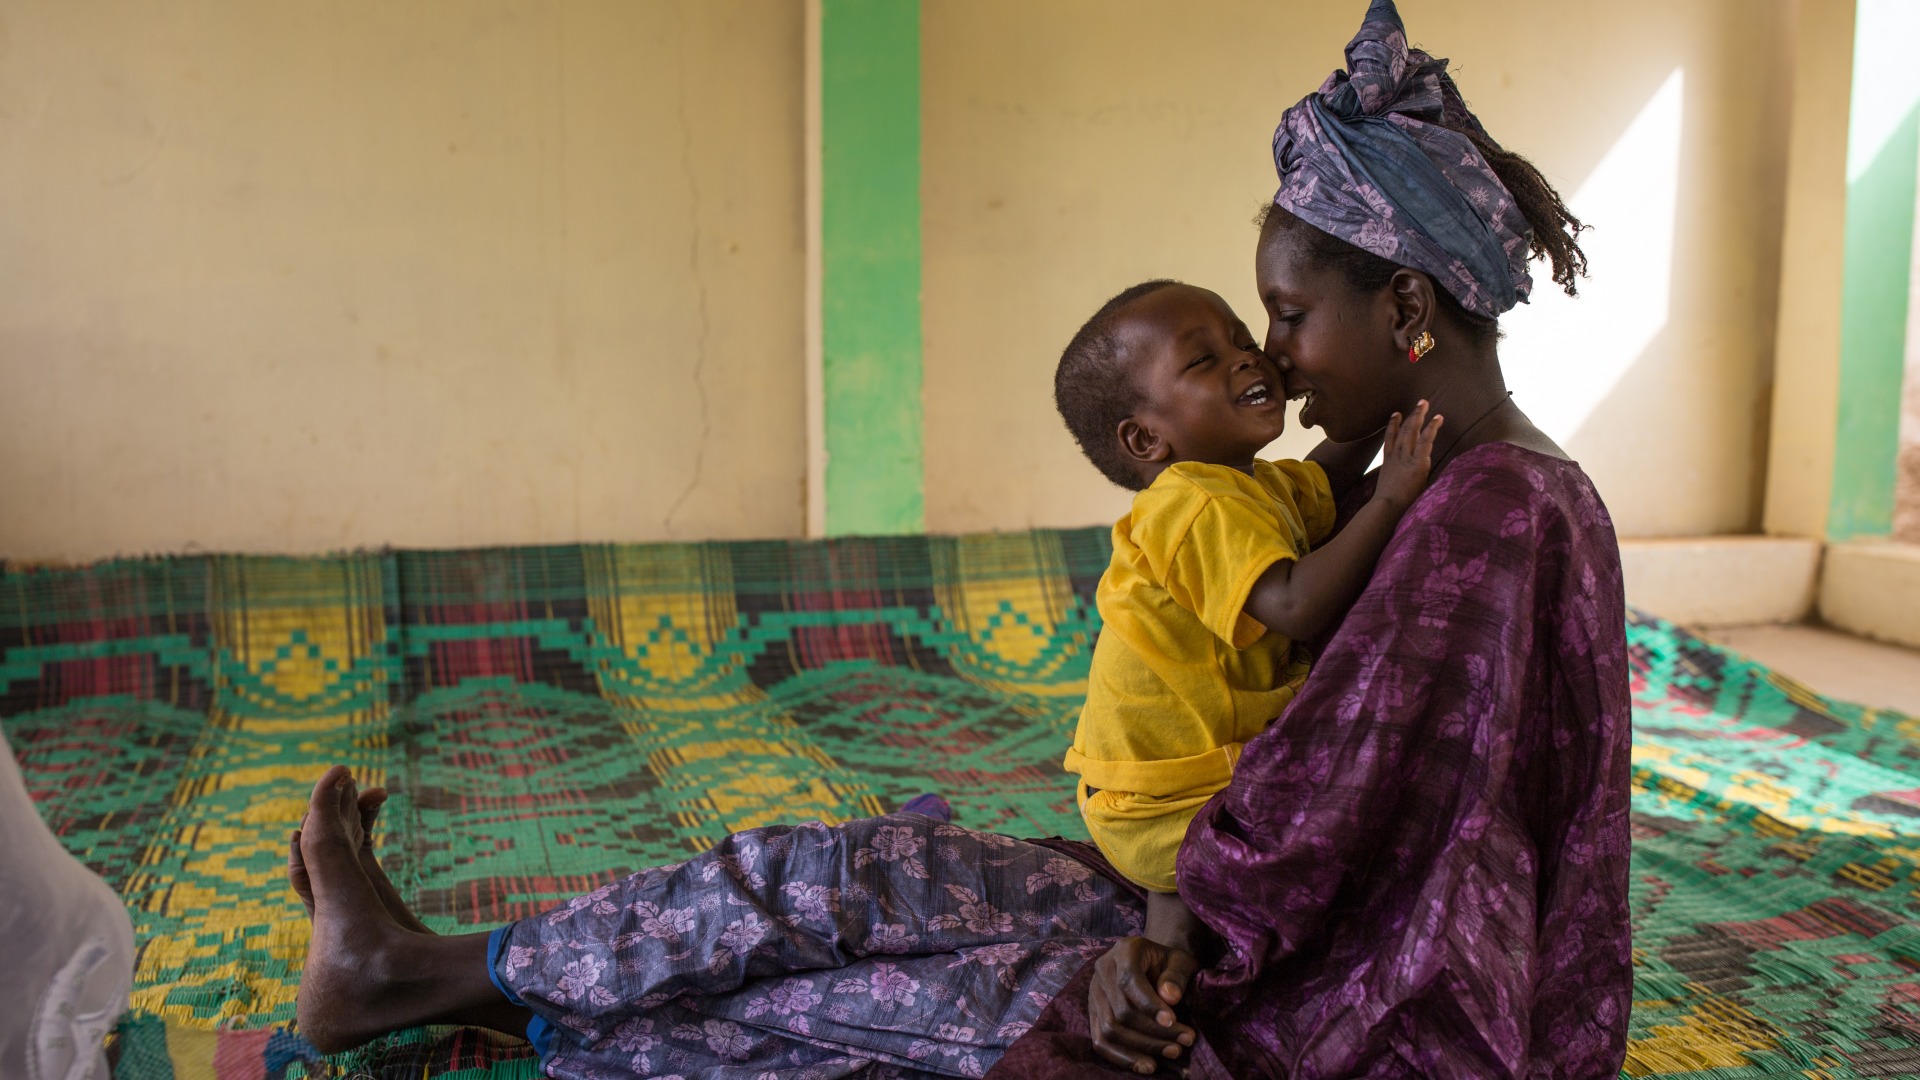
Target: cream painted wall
<point x="293" y="277"/>
<point x="1112" y="140"/>
<point x="1800" y="450"/>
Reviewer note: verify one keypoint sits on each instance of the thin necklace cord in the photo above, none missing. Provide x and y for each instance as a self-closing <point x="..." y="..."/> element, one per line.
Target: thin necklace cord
<point x="1443" y="458"/>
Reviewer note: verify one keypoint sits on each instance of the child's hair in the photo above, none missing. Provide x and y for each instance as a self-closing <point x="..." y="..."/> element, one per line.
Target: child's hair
<point x="1094" y="390"/>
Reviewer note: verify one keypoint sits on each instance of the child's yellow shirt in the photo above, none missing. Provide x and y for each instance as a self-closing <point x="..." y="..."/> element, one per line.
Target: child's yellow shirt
<point x="1182" y="677"/>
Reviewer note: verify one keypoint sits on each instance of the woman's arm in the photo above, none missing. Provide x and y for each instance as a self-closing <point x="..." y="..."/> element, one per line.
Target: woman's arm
<point x="1303" y="597"/>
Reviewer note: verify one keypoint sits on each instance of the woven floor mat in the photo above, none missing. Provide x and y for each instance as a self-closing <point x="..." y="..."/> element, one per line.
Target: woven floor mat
<point x="547" y="719"/>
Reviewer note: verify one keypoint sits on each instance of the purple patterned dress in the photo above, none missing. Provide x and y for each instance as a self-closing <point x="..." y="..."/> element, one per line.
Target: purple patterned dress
<point x="898" y="946"/>
<point x="1420" y="870"/>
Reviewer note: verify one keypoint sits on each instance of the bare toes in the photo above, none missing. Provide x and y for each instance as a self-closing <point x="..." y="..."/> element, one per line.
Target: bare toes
<point x="347" y="804"/>
<point x="297" y="875"/>
<point x="369" y="803"/>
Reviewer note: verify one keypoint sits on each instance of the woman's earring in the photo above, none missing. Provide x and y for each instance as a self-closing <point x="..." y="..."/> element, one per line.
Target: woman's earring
<point x="1421" y="346"/>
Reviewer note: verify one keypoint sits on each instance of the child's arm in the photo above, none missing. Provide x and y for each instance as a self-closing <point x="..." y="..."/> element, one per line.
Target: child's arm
<point x="1302" y="597"/>
<point x="1171" y="924"/>
<point x="1345" y="463"/>
<point x="1140" y="981"/>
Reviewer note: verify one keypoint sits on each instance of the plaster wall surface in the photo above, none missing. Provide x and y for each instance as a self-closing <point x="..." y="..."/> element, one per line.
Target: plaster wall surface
<point x="519" y="272"/>
<point x="285" y="278"/>
<point x="1868" y="587"/>
<point x="1722" y="580"/>
<point x="1108" y="142"/>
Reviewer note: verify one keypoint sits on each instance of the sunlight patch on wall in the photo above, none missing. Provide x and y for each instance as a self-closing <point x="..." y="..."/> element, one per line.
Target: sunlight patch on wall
<point x="1886" y="84"/>
<point x="1564" y="356"/>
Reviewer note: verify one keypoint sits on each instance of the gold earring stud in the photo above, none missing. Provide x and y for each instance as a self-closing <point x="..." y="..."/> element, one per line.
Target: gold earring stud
<point x="1421" y="346"/>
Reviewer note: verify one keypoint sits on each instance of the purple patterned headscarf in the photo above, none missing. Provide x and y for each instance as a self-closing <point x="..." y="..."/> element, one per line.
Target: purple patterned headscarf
<point x="1367" y="159"/>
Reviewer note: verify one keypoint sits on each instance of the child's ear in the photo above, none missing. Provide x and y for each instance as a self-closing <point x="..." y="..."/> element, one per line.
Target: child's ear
<point x="1142" y="443"/>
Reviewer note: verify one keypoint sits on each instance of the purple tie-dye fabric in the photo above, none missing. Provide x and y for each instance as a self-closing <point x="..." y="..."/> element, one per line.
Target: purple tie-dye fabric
<point x="1420" y="869"/>
<point x="1368" y="159"/>
<point x="895" y="947"/>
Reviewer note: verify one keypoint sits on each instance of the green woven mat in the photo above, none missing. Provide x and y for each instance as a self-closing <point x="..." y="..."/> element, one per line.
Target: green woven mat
<point x="550" y="718"/>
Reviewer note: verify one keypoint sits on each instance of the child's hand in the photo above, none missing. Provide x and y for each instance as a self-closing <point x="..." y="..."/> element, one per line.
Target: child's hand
<point x="1408" y="456"/>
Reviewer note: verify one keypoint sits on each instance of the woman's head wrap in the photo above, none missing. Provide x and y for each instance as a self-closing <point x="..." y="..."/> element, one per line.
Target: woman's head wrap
<point x="1372" y="159"/>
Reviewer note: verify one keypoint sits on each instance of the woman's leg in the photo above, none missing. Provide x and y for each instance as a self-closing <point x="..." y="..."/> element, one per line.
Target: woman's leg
<point x="368" y="973"/>
<point x="899" y="939"/>
<point x="896" y="939"/>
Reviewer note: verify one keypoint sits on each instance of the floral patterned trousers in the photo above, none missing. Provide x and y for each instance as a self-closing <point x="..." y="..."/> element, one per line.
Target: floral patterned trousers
<point x="892" y="946"/>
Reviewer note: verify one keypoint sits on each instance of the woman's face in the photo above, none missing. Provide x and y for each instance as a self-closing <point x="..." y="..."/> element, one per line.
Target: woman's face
<point x="1334" y="346"/>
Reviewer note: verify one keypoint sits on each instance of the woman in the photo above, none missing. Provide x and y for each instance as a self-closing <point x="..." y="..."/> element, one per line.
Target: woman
<point x="1420" y="869"/>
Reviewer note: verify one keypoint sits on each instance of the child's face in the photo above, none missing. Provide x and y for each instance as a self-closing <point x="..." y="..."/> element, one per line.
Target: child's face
<point x="1211" y="394"/>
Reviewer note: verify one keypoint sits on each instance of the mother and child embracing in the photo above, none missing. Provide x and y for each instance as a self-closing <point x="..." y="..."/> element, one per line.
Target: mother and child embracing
<point x="1354" y="755"/>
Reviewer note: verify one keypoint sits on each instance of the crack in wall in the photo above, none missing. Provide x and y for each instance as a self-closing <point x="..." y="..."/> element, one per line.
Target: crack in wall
<point x="700" y="295"/>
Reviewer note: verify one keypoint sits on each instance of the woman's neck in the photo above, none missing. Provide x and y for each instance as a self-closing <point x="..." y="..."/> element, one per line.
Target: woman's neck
<point x="1472" y="394"/>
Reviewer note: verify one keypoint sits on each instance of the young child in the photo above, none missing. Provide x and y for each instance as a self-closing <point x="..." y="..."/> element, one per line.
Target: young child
<point x="1215" y="572"/>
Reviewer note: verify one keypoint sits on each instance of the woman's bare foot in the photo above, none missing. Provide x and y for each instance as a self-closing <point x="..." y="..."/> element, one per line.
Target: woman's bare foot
<point x="351" y="954"/>
<point x="366" y="974"/>
<point x="369" y="804"/>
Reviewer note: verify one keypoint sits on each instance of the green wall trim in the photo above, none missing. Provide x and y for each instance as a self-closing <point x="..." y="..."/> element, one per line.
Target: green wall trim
<point x="1883" y="150"/>
<point x="870" y="266"/>
<point x="1873" y="337"/>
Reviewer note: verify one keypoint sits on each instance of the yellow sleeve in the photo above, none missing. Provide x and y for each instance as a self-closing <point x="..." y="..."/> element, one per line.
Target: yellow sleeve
<point x="1311" y="495"/>
<point x="1215" y="543"/>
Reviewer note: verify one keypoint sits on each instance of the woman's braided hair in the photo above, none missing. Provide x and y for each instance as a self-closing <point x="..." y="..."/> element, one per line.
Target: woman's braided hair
<point x="1556" y="232"/>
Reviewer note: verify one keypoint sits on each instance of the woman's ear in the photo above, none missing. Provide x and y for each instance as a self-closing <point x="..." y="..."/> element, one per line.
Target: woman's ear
<point x="1413" y="305"/>
<point x="1142" y="443"/>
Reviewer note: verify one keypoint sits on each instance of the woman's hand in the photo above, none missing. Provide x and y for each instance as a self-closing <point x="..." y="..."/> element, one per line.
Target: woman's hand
<point x="1130" y="1004"/>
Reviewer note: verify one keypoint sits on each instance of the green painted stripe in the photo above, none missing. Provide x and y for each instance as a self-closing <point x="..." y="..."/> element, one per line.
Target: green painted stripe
<point x="1879" y="253"/>
<point x="1873" y="337"/>
<point x="870" y="265"/>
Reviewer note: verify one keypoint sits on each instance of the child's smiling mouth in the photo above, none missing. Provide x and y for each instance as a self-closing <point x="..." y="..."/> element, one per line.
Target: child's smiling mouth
<point x="1260" y="393"/>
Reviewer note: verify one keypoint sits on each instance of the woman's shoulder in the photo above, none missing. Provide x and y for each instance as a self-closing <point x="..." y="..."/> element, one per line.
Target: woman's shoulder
<point x="1515" y="466"/>
<point x="1528" y="437"/>
<point x="1509" y="487"/>
<point x="1502" y="529"/>
<point x="1501" y="488"/>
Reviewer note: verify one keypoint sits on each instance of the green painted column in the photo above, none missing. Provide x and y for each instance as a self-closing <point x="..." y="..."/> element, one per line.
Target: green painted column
<point x="870" y="266"/>
<point x="1883" y="149"/>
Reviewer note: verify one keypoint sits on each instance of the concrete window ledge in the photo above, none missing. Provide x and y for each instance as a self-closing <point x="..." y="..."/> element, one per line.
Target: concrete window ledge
<point x="1872" y="588"/>
<point x="1722" y="580"/>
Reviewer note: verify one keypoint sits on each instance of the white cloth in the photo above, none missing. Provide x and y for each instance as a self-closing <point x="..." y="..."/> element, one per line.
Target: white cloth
<point x="66" y="946"/>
